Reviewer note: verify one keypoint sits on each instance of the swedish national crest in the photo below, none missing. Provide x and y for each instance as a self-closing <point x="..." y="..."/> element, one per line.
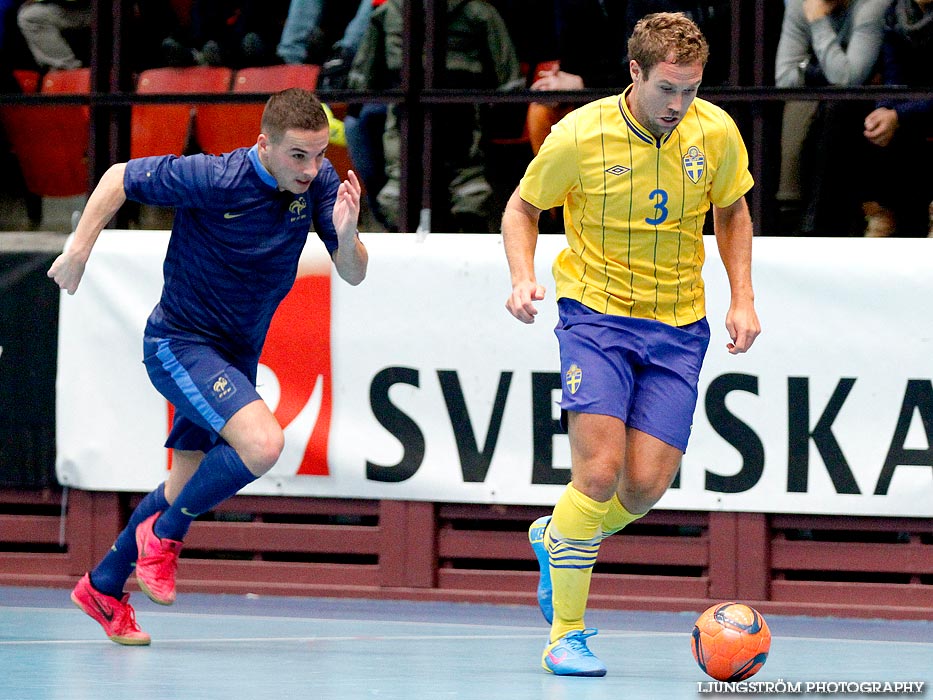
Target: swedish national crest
<point x="694" y="164"/>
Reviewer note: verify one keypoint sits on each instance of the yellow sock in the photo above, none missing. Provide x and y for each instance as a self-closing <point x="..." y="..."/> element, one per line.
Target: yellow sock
<point x="617" y="517"/>
<point x="572" y="541"/>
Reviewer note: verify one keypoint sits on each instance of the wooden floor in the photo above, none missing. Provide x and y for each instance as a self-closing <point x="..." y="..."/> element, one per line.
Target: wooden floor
<point x="225" y="647"/>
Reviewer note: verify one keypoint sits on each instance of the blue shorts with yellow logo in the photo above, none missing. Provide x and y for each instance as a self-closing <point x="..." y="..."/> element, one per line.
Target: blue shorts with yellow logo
<point x="205" y="388"/>
<point x="641" y="371"/>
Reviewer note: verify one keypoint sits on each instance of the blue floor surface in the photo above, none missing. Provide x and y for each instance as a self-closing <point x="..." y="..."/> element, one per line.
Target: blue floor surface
<point x="223" y="647"/>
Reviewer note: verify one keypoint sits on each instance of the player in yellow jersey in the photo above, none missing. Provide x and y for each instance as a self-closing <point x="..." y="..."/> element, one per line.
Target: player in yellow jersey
<point x="636" y="174"/>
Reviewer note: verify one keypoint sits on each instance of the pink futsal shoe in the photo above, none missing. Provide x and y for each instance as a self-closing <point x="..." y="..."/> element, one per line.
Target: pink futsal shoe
<point x="117" y="617"/>
<point x="157" y="563"/>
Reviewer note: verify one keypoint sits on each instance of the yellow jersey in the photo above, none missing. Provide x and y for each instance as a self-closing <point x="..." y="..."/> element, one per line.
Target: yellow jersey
<point x="634" y="205"/>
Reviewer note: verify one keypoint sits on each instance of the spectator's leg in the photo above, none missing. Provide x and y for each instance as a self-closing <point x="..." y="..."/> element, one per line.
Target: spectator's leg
<point x="389" y="196"/>
<point x="42" y="25"/>
<point x="364" y="141"/>
<point x="797" y="118"/>
<point x="470" y="197"/>
<point x="304" y="17"/>
<point x="833" y="150"/>
<point x="356" y="29"/>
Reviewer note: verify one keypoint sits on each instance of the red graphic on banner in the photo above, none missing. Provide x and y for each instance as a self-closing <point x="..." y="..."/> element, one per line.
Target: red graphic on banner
<point x="297" y="350"/>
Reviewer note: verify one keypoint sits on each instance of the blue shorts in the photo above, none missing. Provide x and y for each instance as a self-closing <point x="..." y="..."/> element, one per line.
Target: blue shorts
<point x="641" y="371"/>
<point x="205" y="388"/>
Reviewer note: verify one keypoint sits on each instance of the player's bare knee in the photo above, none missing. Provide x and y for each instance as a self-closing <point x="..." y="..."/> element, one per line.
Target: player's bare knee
<point x="264" y="451"/>
<point x="598" y="484"/>
<point x="640" y="498"/>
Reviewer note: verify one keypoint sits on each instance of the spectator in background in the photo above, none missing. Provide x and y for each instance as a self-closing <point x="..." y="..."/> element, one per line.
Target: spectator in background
<point x="480" y="55"/>
<point x="826" y="42"/>
<point x="302" y="35"/>
<point x="226" y="34"/>
<point x="899" y="187"/>
<point x="364" y="127"/>
<point x="45" y="23"/>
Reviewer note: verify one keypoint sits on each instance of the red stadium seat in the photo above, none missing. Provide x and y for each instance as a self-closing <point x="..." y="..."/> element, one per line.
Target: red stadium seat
<point x="164" y="129"/>
<point x="221" y="128"/>
<point x="51" y="141"/>
<point x="28" y="80"/>
<point x="274" y="78"/>
<point x="69" y="82"/>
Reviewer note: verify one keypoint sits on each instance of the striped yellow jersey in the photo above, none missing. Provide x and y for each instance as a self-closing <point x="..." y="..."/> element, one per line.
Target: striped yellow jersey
<point x="634" y="205"/>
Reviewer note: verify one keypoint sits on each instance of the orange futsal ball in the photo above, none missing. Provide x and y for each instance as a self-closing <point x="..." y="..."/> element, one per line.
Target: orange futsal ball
<point x="731" y="641"/>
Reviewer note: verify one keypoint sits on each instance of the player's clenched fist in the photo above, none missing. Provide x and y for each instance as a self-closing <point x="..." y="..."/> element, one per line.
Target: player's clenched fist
<point x="521" y="302"/>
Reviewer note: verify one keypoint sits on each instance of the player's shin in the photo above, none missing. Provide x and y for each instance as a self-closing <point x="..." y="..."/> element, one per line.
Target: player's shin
<point x="572" y="540"/>
<point x="617" y="517"/>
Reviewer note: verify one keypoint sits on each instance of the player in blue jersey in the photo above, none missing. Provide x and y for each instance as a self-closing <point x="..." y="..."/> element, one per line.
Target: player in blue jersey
<point x="241" y="222"/>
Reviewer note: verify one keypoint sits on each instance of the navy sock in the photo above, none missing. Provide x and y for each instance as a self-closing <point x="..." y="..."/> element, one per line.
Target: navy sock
<point x="111" y="573"/>
<point x="222" y="473"/>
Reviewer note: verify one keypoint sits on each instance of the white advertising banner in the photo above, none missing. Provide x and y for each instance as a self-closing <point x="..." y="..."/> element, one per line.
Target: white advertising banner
<point x="419" y="385"/>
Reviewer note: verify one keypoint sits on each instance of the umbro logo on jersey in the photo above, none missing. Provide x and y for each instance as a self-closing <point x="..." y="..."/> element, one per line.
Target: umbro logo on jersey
<point x="618" y="170"/>
<point x="233" y="215"/>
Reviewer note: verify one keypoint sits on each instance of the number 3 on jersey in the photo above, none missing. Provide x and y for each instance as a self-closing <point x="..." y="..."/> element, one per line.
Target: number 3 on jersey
<point x="660" y="207"/>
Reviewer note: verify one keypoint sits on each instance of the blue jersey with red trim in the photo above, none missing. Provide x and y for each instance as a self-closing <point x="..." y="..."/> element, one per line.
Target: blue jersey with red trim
<point x="235" y="243"/>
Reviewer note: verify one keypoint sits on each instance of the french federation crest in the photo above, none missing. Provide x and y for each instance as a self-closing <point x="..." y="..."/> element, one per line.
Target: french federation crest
<point x="297" y="208"/>
<point x="694" y="164"/>
<point x="223" y="387"/>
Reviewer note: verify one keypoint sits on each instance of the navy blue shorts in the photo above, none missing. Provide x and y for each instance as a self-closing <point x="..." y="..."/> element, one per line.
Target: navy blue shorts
<point x="205" y="388"/>
<point x="643" y="372"/>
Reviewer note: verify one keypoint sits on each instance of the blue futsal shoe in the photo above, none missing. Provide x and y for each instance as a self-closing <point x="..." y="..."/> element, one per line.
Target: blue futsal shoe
<point x="569" y="656"/>
<point x="545" y="594"/>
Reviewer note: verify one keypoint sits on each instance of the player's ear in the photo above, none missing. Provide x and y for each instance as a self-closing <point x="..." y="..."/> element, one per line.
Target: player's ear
<point x="634" y="69"/>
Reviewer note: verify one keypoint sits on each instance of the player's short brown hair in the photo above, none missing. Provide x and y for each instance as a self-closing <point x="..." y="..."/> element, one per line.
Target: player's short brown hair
<point x="294" y="108"/>
<point x="667" y="36"/>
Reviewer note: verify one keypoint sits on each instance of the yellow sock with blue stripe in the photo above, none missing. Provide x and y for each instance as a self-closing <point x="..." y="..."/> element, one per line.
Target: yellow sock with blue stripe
<point x="572" y="541"/>
<point x="617" y="517"/>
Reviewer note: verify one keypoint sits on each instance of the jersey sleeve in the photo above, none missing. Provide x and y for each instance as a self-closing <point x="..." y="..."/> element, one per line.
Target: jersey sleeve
<point x="554" y="172"/>
<point x="732" y="179"/>
<point x="171" y="181"/>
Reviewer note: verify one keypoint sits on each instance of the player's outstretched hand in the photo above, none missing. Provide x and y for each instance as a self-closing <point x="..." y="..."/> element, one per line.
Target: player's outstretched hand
<point x="347" y="206"/>
<point x="521" y="301"/>
<point x="67" y="271"/>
